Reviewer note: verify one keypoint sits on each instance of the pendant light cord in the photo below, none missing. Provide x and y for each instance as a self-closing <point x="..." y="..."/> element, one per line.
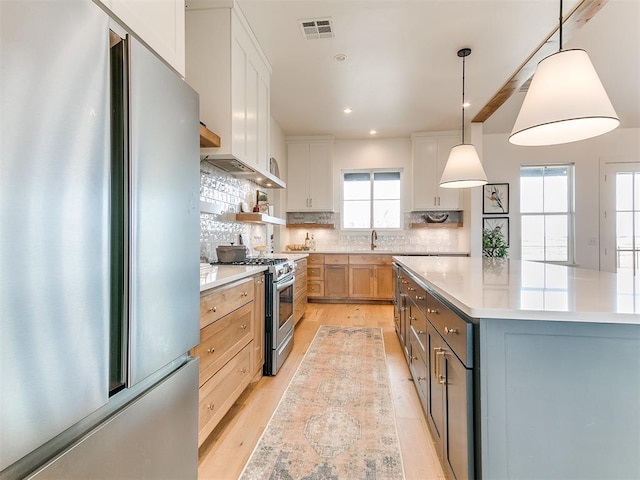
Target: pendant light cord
<point x="463" y="63"/>
<point x="560" y="28"/>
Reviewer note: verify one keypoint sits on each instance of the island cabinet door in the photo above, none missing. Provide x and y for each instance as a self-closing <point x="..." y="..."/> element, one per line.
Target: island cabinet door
<point x="435" y="413"/>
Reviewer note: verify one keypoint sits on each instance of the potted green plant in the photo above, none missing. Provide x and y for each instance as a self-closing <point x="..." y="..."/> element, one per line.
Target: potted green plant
<point x="494" y="243"/>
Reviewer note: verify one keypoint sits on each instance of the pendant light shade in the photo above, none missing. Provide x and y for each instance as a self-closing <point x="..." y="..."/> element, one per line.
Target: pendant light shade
<point x="463" y="168"/>
<point x="566" y="102"/>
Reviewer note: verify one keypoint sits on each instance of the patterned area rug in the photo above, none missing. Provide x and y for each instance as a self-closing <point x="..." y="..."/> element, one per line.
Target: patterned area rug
<point x="336" y="418"/>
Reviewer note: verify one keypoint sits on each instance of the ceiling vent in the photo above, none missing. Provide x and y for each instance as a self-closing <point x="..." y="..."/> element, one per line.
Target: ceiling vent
<point x="316" y="28"/>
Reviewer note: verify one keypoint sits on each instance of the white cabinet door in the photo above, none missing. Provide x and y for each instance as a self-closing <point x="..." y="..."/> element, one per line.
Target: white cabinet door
<point x="321" y="177"/>
<point x="238" y="100"/>
<point x="298" y="177"/>
<point x="430" y="154"/>
<point x="251" y="130"/>
<point x="160" y="24"/>
<point x="425" y="169"/>
<point x="264" y="115"/>
<point x="448" y="198"/>
<point x="310" y="176"/>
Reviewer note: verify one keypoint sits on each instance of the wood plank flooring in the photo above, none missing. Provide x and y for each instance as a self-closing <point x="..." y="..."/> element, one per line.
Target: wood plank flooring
<point x="228" y="448"/>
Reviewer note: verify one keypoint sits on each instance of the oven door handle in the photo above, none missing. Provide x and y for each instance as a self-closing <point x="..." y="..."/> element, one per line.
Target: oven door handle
<point x="288" y="283"/>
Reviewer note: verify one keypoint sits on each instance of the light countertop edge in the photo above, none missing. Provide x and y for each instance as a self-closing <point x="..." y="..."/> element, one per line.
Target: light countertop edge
<point x="380" y="252"/>
<point x="591" y="297"/>
<point x="223" y="274"/>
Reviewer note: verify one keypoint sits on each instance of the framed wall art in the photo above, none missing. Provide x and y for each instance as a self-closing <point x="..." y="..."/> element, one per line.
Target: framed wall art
<point x="495" y="198"/>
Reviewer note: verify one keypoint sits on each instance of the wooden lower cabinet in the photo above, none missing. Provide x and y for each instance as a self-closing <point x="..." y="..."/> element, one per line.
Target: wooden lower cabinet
<point x="300" y="290"/>
<point x="350" y="277"/>
<point x="231" y="347"/>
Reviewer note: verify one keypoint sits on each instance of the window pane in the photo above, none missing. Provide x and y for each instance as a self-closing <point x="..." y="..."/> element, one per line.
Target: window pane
<point x="386" y="214"/>
<point x="357" y="186"/>
<point x="386" y="189"/>
<point x="556" y="194"/>
<point x="533" y="237"/>
<point x="531" y="191"/>
<point x="636" y="225"/>
<point x="637" y="191"/>
<point x="357" y="214"/>
<point x="624" y="230"/>
<point x="624" y="191"/>
<point x="556" y="238"/>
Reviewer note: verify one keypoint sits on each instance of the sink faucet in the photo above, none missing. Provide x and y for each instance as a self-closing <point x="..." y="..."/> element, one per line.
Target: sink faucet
<point x="374" y="237"/>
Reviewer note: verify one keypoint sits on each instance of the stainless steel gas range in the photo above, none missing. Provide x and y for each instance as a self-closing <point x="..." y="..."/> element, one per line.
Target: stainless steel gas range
<point x="279" y="279"/>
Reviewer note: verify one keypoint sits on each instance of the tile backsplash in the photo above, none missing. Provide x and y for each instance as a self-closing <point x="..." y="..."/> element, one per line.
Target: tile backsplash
<point x="223" y="194"/>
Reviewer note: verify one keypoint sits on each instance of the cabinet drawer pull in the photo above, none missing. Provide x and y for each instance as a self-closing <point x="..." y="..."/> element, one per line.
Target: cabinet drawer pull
<point x="412" y="319"/>
<point x="411" y="289"/>
<point x="418" y="297"/>
<point x="212" y="309"/>
<point x="450" y="331"/>
<point x="211" y="350"/>
<point x="259" y="282"/>
<point x="432" y="310"/>
<point x="243" y="326"/>
<point x="243" y="370"/>
<point x="244" y="294"/>
<point x="414" y="359"/>
<point x="211" y="406"/>
<point x="421" y="332"/>
<point x="421" y="379"/>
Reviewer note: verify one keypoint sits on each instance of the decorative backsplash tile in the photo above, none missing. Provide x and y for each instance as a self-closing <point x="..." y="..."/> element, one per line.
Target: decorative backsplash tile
<point x="225" y="194"/>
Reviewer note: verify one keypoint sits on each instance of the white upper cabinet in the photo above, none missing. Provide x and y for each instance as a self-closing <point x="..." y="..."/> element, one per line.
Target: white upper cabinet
<point x="430" y="152"/>
<point x="226" y="65"/>
<point x="159" y="24"/>
<point x="310" y="174"/>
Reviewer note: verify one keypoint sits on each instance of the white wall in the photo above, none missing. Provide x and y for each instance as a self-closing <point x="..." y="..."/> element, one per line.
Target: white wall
<point x="502" y="162"/>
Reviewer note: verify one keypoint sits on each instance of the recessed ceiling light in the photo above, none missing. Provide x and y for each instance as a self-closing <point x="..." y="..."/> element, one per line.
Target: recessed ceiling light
<point x="372" y="132"/>
<point x="347" y="110"/>
<point x="341" y="57"/>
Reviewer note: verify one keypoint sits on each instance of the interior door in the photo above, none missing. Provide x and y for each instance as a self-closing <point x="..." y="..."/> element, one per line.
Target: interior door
<point x="620" y="217"/>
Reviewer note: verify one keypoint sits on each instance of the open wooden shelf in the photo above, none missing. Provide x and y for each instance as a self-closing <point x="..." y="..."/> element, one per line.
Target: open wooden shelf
<point x="436" y="225"/>
<point x="311" y="225"/>
<point x="208" y="138"/>
<point x="254" y="217"/>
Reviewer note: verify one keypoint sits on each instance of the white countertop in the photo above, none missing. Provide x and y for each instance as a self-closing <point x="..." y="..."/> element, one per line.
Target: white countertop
<point x="222" y="274"/>
<point x="511" y="289"/>
<point x="380" y="251"/>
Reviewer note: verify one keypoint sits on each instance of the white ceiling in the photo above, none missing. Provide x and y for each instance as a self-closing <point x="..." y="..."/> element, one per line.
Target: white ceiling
<point x="402" y="73"/>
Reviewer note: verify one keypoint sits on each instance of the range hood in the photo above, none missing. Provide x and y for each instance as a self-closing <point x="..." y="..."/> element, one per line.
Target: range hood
<point x="239" y="169"/>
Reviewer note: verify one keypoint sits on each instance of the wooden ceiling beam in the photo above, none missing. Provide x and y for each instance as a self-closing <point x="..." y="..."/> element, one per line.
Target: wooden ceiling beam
<point x="574" y="20"/>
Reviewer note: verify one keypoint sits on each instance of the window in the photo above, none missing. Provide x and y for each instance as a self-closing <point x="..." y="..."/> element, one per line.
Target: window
<point x="546" y="206"/>
<point x="371" y="199"/>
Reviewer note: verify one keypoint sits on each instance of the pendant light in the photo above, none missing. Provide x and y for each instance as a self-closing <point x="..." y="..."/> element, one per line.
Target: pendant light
<point x="463" y="168"/>
<point x="566" y="101"/>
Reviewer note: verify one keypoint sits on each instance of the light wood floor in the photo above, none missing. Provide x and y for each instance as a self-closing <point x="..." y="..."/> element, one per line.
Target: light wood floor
<point x="226" y="451"/>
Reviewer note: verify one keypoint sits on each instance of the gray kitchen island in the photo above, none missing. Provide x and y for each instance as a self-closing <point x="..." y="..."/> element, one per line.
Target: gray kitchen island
<point x="524" y="369"/>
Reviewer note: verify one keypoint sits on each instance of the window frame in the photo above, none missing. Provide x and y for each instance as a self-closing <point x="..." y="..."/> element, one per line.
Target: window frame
<point x="371" y="172"/>
<point x="570" y="213"/>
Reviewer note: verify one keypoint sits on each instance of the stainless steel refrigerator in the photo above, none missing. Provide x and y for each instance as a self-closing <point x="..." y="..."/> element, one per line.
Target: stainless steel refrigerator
<point x="99" y="250"/>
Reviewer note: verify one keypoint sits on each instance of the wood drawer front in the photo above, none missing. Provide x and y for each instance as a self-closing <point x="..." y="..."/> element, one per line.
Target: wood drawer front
<point x="418" y="323"/>
<point x="336" y="259"/>
<point x="222" y="339"/>
<point x="315" y="289"/>
<point x="370" y="259"/>
<point x="299" y="306"/>
<point x="315" y="273"/>
<point x="218" y="394"/>
<point x="301" y="265"/>
<point x="456" y="331"/>
<point x="315" y="259"/>
<point x="225" y="300"/>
